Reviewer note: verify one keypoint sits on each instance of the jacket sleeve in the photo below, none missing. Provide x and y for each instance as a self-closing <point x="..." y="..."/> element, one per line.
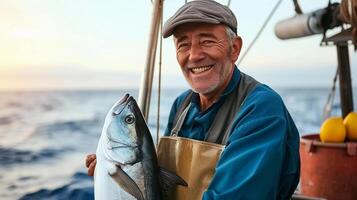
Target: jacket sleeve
<point x="254" y="161"/>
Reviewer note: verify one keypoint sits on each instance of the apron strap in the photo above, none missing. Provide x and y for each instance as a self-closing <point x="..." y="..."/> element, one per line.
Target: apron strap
<point x="179" y="122"/>
<point x="222" y="124"/>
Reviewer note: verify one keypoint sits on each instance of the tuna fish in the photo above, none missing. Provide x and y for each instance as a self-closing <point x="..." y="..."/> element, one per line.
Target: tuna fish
<point x="127" y="166"/>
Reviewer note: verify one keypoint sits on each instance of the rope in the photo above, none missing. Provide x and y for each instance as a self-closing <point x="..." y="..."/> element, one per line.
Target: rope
<point x="229" y="3"/>
<point x="348" y="11"/>
<point x="329" y="103"/>
<point x="159" y="81"/>
<point x="260" y="31"/>
<point x="297" y="7"/>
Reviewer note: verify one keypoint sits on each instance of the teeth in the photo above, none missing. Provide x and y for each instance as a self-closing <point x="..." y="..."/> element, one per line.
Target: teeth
<point x="200" y="69"/>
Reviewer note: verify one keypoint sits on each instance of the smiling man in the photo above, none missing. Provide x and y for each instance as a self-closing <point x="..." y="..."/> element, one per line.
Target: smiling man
<point x="224" y="106"/>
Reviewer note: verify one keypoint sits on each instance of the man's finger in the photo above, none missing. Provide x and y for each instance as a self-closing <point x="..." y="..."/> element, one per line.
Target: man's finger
<point x="89" y="159"/>
<point x="92" y="167"/>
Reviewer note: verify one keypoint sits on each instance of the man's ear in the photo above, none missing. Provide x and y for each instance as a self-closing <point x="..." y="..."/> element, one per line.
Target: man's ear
<point x="236" y="47"/>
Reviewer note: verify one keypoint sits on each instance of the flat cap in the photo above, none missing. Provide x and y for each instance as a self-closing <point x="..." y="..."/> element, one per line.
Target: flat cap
<point x="201" y="11"/>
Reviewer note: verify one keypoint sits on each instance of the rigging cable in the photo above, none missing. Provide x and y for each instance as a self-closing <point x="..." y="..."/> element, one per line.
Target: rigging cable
<point x="328" y="106"/>
<point x="228" y="3"/>
<point x="159" y="79"/>
<point x="260" y="31"/>
<point x="297" y="7"/>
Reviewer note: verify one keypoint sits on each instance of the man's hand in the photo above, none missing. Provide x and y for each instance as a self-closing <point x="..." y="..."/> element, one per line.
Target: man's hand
<point x="91" y="161"/>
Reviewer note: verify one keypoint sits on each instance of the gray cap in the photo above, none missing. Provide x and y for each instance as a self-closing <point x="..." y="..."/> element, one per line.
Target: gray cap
<point x="202" y="11"/>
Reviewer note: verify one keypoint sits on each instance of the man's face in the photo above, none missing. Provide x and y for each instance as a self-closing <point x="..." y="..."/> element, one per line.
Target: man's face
<point x="203" y="51"/>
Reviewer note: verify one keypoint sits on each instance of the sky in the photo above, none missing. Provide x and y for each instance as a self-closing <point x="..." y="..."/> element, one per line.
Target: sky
<point x="88" y="44"/>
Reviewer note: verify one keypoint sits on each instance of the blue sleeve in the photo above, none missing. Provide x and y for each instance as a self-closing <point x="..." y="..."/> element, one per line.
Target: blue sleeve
<point x="253" y="164"/>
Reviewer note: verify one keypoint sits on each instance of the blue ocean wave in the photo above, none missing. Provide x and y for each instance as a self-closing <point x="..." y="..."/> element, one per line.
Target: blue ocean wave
<point x="9" y="156"/>
<point x="80" y="187"/>
<point x="25" y="178"/>
<point x="91" y="126"/>
<point x="14" y="185"/>
<point x="47" y="107"/>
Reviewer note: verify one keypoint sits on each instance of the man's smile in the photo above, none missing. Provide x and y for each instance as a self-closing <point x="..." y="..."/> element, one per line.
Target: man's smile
<point x="200" y="69"/>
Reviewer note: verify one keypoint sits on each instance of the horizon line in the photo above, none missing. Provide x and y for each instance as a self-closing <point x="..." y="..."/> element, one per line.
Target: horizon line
<point x="64" y="89"/>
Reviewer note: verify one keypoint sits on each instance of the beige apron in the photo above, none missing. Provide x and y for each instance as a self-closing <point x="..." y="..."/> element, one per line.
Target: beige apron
<point x="192" y="160"/>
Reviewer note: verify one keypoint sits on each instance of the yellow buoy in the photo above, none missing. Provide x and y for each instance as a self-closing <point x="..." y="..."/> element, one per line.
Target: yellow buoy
<point x="350" y="122"/>
<point x="333" y="130"/>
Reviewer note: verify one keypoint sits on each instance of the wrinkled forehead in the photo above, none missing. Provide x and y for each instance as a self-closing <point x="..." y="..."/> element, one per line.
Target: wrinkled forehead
<point x="191" y="30"/>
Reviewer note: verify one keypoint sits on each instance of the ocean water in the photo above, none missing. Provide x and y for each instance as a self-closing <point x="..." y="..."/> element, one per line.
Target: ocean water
<point x="44" y="136"/>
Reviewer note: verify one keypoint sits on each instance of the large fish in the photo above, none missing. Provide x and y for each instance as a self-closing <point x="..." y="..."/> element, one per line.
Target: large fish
<point x="127" y="166"/>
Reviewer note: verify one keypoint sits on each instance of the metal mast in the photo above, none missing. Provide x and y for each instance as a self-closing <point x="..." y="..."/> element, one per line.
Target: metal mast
<point x="147" y="76"/>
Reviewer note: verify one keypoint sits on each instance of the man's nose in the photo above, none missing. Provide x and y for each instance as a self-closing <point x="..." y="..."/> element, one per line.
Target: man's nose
<point x="196" y="53"/>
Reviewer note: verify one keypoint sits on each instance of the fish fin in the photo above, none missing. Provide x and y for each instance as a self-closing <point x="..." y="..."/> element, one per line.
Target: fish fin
<point x="127" y="183"/>
<point x="169" y="179"/>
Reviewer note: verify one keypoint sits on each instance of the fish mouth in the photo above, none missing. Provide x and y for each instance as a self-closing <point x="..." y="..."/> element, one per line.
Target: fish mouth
<point x="122" y="103"/>
<point x="124" y="98"/>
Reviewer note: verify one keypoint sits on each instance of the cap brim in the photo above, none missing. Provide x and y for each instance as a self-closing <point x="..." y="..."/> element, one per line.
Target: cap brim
<point x="169" y="30"/>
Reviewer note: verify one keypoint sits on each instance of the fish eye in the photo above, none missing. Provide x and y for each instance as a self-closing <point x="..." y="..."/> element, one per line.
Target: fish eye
<point x="129" y="119"/>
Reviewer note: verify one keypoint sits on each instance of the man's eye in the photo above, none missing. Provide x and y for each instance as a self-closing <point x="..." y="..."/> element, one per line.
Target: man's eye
<point x="207" y="42"/>
<point x="182" y="45"/>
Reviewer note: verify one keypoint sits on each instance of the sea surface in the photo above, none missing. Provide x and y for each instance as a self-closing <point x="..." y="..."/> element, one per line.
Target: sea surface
<point x="44" y="136"/>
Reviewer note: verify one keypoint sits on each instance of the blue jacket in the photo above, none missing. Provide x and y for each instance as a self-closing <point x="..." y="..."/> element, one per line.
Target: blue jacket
<point x="261" y="159"/>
